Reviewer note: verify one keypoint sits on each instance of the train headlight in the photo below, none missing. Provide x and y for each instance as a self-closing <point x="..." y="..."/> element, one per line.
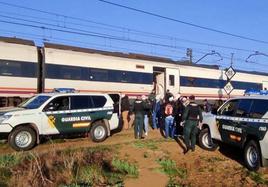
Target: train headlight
<point x="4" y="118"/>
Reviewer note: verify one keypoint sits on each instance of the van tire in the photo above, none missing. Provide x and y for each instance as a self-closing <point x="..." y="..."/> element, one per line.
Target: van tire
<point x="252" y="156"/>
<point x="98" y="132"/>
<point x="203" y="140"/>
<point x="22" y="138"/>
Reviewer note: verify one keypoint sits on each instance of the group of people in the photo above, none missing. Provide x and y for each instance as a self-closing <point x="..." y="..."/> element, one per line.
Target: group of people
<point x="172" y="115"/>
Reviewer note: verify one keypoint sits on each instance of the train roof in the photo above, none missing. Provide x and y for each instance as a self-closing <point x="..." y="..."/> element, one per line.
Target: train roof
<point x="127" y="55"/>
<point x="16" y="41"/>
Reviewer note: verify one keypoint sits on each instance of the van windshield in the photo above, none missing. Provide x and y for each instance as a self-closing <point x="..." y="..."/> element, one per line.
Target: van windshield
<point x="34" y="102"/>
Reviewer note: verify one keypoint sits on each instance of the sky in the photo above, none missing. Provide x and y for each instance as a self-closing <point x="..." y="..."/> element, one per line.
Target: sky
<point x="98" y="25"/>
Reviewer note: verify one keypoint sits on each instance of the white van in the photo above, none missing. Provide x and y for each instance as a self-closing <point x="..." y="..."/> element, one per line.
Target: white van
<point x="58" y="114"/>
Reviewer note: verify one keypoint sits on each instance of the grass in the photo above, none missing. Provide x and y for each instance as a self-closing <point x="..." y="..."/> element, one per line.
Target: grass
<point x="10" y="160"/>
<point x="149" y="144"/>
<point x="257" y="177"/>
<point x="72" y="167"/>
<point x="109" y="174"/>
<point x="175" y="173"/>
<point x="6" y="163"/>
<point x="126" y="168"/>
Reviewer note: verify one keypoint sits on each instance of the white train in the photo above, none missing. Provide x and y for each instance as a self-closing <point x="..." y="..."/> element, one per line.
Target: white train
<point x="26" y="69"/>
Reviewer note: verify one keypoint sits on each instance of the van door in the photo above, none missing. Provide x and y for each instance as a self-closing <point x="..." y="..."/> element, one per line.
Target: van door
<point x="114" y="121"/>
<point x="229" y="124"/>
<point x="56" y="113"/>
<point x="172" y="80"/>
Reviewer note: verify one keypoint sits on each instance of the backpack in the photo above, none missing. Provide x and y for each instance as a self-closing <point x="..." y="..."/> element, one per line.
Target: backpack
<point x="168" y="109"/>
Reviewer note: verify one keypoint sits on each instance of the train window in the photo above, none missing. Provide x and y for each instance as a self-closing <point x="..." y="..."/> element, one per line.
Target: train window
<point x="171" y="80"/>
<point x="98" y="75"/>
<point x="8" y="68"/>
<point x="125" y="78"/>
<point x="81" y="102"/>
<point x="68" y="72"/>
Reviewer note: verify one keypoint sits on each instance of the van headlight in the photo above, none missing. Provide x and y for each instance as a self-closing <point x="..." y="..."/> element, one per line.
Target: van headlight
<point x="4" y="118"/>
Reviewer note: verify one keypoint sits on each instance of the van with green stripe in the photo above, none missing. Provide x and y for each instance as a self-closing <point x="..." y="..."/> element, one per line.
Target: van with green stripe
<point x="240" y="122"/>
<point x="51" y="114"/>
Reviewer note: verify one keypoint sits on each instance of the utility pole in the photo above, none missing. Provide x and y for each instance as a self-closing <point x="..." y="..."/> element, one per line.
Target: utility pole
<point x="232" y="56"/>
<point x="189" y="54"/>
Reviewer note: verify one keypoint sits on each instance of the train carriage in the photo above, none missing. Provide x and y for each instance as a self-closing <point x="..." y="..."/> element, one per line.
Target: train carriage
<point x="18" y="70"/>
<point x="26" y="69"/>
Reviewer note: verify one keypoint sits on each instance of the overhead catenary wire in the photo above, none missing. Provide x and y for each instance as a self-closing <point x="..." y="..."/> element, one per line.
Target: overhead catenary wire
<point x="42" y="38"/>
<point x="103" y="36"/>
<point x="124" y="29"/>
<point x="185" y="23"/>
<point x="92" y="35"/>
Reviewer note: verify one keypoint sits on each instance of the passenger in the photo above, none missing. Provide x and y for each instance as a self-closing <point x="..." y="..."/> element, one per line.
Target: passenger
<point x="169" y="118"/>
<point x="156" y="113"/>
<point x="125" y="111"/>
<point x="131" y="117"/>
<point x="138" y="110"/>
<point x="147" y="108"/>
<point x="185" y="101"/>
<point x="152" y="97"/>
<point x="65" y="104"/>
<point x="167" y="96"/>
<point x="206" y="106"/>
<point x="179" y="108"/>
<point x="191" y="115"/>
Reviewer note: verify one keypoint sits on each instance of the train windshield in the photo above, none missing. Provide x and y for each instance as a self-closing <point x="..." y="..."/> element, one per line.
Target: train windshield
<point x="35" y="102"/>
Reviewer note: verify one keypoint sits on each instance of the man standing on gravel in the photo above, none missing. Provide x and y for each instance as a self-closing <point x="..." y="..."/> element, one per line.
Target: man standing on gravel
<point x="125" y="110"/>
<point x="192" y="115"/>
<point x="139" y="110"/>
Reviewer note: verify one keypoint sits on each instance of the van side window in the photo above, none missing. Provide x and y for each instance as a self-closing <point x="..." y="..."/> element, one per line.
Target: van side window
<point x="243" y="108"/>
<point x="259" y="108"/>
<point x="229" y="108"/>
<point x="99" y="101"/>
<point x="81" y="102"/>
<point x="57" y="104"/>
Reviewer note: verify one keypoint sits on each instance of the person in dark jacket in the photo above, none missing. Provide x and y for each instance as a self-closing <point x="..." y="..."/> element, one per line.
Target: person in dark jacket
<point x="168" y="95"/>
<point x="139" y="110"/>
<point x="179" y="109"/>
<point x="206" y="106"/>
<point x="192" y="115"/>
<point x="125" y="111"/>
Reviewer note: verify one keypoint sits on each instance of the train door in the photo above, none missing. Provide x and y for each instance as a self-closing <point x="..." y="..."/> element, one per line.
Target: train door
<point x="265" y="85"/>
<point x="172" y="80"/>
<point x="159" y="80"/>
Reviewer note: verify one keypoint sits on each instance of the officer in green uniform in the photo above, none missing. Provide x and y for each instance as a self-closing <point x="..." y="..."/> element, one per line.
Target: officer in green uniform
<point x="192" y="115"/>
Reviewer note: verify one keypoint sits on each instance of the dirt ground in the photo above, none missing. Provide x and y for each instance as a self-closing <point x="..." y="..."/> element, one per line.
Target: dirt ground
<point x="223" y="167"/>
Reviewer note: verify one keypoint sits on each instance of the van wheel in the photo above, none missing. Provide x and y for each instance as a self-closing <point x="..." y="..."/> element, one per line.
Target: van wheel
<point x="252" y="156"/>
<point x="205" y="141"/>
<point x="22" y="138"/>
<point x="98" y="132"/>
